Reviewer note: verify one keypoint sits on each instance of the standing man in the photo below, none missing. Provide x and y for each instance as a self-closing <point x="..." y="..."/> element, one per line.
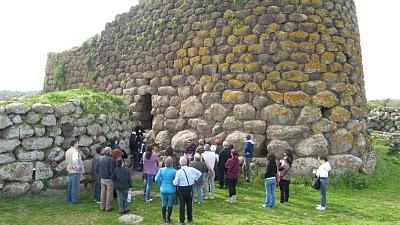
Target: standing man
<point x="75" y="169"/>
<point x="105" y="168"/>
<point x="139" y="129"/>
<point x="184" y="179"/>
<point x="248" y="156"/>
<point x="133" y="146"/>
<point x="224" y="155"/>
<point x="97" y="186"/>
<point x="210" y="159"/>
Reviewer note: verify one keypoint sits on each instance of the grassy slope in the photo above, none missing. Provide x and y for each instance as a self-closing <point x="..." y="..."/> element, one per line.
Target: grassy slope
<point x="95" y="102"/>
<point x="377" y="204"/>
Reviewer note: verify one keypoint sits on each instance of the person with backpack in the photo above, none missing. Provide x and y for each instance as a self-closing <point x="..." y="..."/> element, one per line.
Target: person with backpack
<point x="270" y="181"/>
<point x="164" y="178"/>
<point x="248" y="156"/>
<point x="232" y="175"/>
<point x="122" y="183"/>
<point x="285" y="168"/>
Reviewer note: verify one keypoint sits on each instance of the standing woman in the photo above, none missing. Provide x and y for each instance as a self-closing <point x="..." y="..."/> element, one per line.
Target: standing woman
<point x="285" y="168"/>
<point x="150" y="165"/>
<point x="164" y="178"/>
<point x="270" y="181"/>
<point x="323" y="174"/>
<point x="232" y="175"/>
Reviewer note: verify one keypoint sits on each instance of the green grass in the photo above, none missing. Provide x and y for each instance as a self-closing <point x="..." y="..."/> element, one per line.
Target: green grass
<point x="94" y="102"/>
<point x="379" y="203"/>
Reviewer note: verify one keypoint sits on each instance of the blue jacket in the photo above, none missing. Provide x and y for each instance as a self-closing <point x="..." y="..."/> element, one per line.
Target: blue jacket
<point x="164" y="177"/>
<point x="248" y="148"/>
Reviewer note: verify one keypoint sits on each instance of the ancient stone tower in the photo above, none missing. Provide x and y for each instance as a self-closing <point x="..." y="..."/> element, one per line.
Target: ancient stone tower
<point x="288" y="72"/>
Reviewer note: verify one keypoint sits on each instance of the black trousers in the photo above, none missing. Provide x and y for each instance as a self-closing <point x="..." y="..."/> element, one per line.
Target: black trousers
<point x="231" y="183"/>
<point x="221" y="177"/>
<point x="185" y="195"/>
<point x="284" y="186"/>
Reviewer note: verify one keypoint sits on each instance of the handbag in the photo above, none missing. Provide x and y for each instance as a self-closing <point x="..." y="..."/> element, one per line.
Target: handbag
<point x="316" y="183"/>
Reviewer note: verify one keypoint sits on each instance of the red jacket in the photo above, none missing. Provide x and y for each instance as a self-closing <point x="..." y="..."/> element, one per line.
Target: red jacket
<point x="232" y="168"/>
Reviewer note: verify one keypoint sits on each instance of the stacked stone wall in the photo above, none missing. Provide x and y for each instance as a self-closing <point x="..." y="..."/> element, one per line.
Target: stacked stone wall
<point x="385" y="119"/>
<point x="33" y="141"/>
<point x="288" y="72"/>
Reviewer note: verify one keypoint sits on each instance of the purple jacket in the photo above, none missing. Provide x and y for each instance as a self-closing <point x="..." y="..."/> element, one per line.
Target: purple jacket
<point x="150" y="165"/>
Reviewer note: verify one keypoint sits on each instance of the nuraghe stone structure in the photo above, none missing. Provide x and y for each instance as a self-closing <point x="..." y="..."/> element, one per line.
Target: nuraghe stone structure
<point x="289" y="72"/>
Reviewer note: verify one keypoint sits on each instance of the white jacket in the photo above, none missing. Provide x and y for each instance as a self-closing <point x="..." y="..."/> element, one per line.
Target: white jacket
<point x="210" y="158"/>
<point x="323" y="170"/>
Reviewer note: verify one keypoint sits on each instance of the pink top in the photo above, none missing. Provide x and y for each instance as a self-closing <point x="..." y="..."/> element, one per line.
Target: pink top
<point x="150" y="165"/>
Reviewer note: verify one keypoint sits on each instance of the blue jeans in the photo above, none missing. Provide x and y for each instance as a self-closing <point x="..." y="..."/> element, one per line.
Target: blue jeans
<point x="167" y="199"/>
<point x="147" y="185"/>
<point x="197" y="189"/>
<point x="208" y="179"/>
<point x="270" y="192"/>
<point x="97" y="190"/>
<point x="74" y="180"/>
<point x="324" y="184"/>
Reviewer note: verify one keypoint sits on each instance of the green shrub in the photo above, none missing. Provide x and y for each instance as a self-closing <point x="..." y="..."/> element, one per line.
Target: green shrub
<point x="59" y="74"/>
<point x="350" y="180"/>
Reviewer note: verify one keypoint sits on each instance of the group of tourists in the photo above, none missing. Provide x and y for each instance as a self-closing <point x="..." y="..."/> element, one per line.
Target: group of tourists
<point x="186" y="179"/>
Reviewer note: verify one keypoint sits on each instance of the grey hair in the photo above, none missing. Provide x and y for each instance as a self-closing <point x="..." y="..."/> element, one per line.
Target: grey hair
<point x="225" y="144"/>
<point x="197" y="157"/>
<point x="206" y="147"/>
<point x="183" y="161"/>
<point x="107" y="151"/>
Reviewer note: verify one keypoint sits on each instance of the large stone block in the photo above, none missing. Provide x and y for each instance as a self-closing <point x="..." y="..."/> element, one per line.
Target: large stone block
<point x="49" y="120"/>
<point x="5" y="122"/>
<point x="43" y="171"/>
<point x="65" y="109"/>
<point x="42" y="108"/>
<point x="344" y="163"/>
<point x="244" y="112"/>
<point x="32" y="118"/>
<point x="323" y="126"/>
<point x="172" y="113"/>
<point x="308" y="115"/>
<point x="255" y="126"/>
<point x="7" y="158"/>
<point x="8" y="145"/>
<point x="59" y="183"/>
<point x="339" y="114"/>
<point x="325" y="99"/>
<point x="85" y="141"/>
<point x="296" y="98"/>
<point x="163" y="139"/>
<point x="313" y="146"/>
<point x="341" y="141"/>
<point x="179" y="141"/>
<point x="191" y="107"/>
<point x="17" y="108"/>
<point x="278" y="147"/>
<point x="56" y="154"/>
<point x="287" y="132"/>
<point x="277" y="115"/>
<point x="234" y="97"/>
<point x="30" y="156"/>
<point x="231" y="123"/>
<point x="17" y="171"/>
<point x="304" y="166"/>
<point x="94" y="129"/>
<point x="37" y="143"/>
<point x="216" y="112"/>
<point x="16" y="188"/>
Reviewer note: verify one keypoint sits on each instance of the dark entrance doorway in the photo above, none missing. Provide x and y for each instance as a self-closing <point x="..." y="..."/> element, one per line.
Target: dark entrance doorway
<point x="142" y="111"/>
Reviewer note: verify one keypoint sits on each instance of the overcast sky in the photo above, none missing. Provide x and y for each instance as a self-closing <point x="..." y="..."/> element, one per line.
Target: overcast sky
<point x="30" y="29"/>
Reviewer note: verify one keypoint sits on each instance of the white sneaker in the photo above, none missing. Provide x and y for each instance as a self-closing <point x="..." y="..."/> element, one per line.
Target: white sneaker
<point x="318" y="205"/>
<point x="320" y="208"/>
<point x="205" y="198"/>
<point x="212" y="197"/>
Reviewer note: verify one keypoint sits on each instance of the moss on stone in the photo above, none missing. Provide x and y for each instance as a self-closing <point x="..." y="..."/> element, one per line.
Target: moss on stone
<point x="286" y="66"/>
<point x="233" y="97"/>
<point x="252" y="67"/>
<point x="327" y="58"/>
<point x="242" y="30"/>
<point x="275" y="96"/>
<point x="289" y="46"/>
<point x="193" y="52"/>
<point x="239" y="49"/>
<point x="256" y="49"/>
<point x="296" y="98"/>
<point x="237" y="68"/>
<point x="295" y="75"/>
<point x="177" y="63"/>
<point x="181" y="53"/>
<point x="298" y="36"/>
<point x="274" y="76"/>
<point x="195" y="60"/>
<point x="267" y="85"/>
<point x="252" y="87"/>
<point x="315" y="68"/>
<point x="204" y="51"/>
<point x="250" y="39"/>
<point x="208" y="42"/>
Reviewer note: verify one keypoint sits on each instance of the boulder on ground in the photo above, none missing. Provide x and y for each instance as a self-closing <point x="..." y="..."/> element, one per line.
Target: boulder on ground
<point x="130" y="219"/>
<point x="15" y="188"/>
<point x="344" y="163"/>
<point x="179" y="141"/>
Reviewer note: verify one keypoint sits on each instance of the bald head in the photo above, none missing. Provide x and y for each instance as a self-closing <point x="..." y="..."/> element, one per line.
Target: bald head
<point x="183" y="161"/>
